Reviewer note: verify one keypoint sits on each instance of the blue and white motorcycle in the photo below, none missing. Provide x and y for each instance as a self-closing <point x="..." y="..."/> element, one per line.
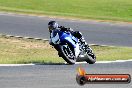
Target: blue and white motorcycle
<point x="71" y="49"/>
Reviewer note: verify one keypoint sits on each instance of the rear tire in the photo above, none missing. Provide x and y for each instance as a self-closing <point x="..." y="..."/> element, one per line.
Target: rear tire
<point x="67" y="54"/>
<point x="91" y="56"/>
<point x="91" y="59"/>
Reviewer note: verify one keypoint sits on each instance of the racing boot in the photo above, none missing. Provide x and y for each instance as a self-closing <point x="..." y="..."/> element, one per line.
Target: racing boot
<point x="60" y="54"/>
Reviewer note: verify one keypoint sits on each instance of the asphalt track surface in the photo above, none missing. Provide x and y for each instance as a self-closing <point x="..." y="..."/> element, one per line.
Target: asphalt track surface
<point x="59" y="76"/>
<point x="63" y="76"/>
<point x="104" y="33"/>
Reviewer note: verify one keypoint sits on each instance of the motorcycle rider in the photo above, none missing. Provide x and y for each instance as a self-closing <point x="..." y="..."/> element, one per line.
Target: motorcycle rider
<point x="53" y="25"/>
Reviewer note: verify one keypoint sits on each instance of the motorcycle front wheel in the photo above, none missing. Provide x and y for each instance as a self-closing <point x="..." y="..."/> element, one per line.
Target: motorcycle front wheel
<point x="67" y="54"/>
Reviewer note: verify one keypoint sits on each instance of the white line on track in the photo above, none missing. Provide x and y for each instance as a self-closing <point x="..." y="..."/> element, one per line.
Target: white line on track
<point x="16" y="64"/>
<point x="117" y="61"/>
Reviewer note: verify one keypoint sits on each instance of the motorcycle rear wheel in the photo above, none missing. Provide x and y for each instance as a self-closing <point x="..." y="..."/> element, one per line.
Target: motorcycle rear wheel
<point x="91" y="56"/>
<point x="91" y="59"/>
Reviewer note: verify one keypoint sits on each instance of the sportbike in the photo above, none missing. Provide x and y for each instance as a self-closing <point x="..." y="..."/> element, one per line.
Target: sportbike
<point x="71" y="49"/>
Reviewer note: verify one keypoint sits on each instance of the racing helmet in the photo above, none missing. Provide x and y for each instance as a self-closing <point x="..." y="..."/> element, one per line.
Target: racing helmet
<point x="52" y="25"/>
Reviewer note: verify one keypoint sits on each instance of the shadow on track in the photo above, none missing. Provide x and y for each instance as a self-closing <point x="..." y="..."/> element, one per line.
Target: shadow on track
<point x="50" y="63"/>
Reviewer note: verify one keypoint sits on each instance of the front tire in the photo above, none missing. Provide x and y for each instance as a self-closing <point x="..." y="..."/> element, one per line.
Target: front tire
<point x="67" y="54"/>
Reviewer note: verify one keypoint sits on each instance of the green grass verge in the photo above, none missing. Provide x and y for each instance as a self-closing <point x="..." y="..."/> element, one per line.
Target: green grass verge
<point x="16" y="50"/>
<point x="117" y="10"/>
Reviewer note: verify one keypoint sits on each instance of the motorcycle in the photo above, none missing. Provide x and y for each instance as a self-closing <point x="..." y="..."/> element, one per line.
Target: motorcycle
<point x="71" y="49"/>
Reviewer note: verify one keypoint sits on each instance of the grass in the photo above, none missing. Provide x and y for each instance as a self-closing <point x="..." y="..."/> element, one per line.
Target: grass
<point x="117" y="10"/>
<point x="13" y="51"/>
<point x="105" y="53"/>
<point x="18" y="51"/>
